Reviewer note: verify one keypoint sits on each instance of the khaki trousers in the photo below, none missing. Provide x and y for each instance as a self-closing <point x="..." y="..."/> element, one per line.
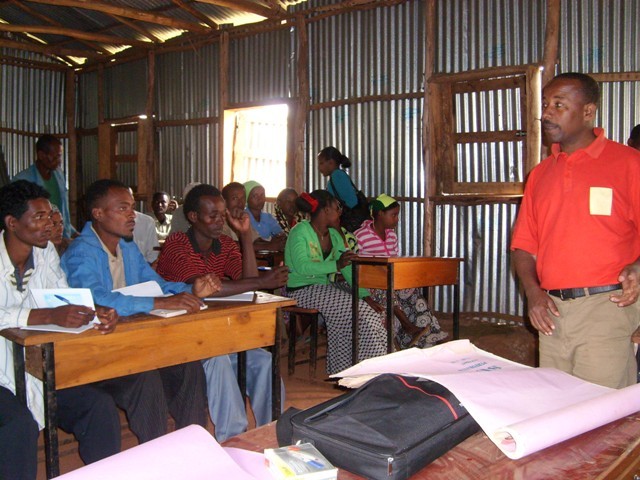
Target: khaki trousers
<point x="592" y="340"/>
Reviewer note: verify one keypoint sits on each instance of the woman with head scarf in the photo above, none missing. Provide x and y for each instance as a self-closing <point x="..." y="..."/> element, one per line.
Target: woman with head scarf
<point x="377" y="237"/>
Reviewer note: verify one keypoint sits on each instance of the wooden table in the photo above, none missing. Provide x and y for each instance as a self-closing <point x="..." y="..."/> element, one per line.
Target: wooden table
<point x="610" y="452"/>
<point x="141" y="343"/>
<point x="397" y="273"/>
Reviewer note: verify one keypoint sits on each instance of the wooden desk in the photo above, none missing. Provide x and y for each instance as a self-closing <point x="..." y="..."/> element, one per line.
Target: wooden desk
<point x="397" y="273"/>
<point x="610" y="452"/>
<point x="141" y="343"/>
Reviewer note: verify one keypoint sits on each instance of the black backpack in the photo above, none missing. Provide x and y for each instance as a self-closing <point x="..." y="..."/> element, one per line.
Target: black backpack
<point x="352" y="218"/>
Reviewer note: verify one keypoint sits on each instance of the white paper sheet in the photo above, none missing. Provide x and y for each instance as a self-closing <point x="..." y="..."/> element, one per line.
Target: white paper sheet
<point x="59" y="297"/>
<point x="239" y="297"/>
<point x="521" y="409"/>
<point x="145" y="289"/>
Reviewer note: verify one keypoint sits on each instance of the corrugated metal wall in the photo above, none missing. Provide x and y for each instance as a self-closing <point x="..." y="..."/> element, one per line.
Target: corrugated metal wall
<point x="125" y="89"/>
<point x="364" y="53"/>
<point x="31" y="100"/>
<point x="609" y="33"/>
<point x="273" y="76"/>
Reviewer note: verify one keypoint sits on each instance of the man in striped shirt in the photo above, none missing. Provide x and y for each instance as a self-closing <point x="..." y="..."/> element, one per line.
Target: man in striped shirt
<point x="204" y="249"/>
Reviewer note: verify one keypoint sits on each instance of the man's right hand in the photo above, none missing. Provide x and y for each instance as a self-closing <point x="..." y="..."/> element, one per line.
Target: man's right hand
<point x="540" y="304"/>
<point x="181" y="301"/>
<point x="274" y="278"/>
<point x="71" y="316"/>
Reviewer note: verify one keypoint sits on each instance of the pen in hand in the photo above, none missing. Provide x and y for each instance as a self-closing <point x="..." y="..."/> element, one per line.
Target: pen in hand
<point x="68" y="302"/>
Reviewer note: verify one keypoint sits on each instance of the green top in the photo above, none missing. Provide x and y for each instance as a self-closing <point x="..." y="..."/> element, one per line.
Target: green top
<point x="303" y="256"/>
<point x="51" y="186"/>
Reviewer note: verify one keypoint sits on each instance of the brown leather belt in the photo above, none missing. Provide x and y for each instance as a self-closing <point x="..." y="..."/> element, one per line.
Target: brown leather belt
<point x="571" y="293"/>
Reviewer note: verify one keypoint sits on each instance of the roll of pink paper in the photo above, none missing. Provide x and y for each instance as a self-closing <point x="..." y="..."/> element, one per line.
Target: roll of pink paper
<point x="189" y="453"/>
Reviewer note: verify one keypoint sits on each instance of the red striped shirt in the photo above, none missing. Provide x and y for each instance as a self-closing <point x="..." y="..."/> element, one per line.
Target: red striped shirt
<point x="179" y="261"/>
<point x="371" y="244"/>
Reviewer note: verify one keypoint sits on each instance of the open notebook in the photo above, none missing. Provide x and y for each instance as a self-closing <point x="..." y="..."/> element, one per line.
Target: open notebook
<point x="59" y="297"/>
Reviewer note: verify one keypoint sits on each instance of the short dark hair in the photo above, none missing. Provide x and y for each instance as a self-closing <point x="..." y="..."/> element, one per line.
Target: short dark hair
<point x="635" y="134"/>
<point x="98" y="190"/>
<point x="284" y="192"/>
<point x="158" y="194"/>
<point x="332" y="153"/>
<point x="323" y="198"/>
<point x="192" y="200"/>
<point x="229" y="187"/>
<point x="45" y="142"/>
<point x="14" y="198"/>
<point x="588" y="86"/>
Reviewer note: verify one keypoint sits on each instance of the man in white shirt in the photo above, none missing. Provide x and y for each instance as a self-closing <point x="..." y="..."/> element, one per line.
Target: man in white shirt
<point x="28" y="260"/>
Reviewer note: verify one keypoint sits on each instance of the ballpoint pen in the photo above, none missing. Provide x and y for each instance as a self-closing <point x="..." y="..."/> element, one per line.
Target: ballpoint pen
<point x="68" y="302"/>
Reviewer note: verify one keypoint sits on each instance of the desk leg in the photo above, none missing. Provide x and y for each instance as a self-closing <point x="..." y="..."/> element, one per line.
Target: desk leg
<point x="242" y="375"/>
<point x="354" y="316"/>
<point x="456" y="311"/>
<point x="276" y="400"/>
<point x="19" y="373"/>
<point x="50" y="411"/>
<point x="390" y="303"/>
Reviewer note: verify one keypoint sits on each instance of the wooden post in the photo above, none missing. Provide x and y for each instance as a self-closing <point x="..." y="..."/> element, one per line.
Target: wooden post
<point x="551" y="41"/>
<point x="224" y="99"/>
<point x="145" y="160"/>
<point x="534" y="112"/>
<point x="428" y="140"/>
<point x="72" y="148"/>
<point x="106" y="151"/>
<point x="302" y="107"/>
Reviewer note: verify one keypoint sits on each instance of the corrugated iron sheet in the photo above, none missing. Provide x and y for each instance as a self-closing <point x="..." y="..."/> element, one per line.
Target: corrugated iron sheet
<point x="125" y="89"/>
<point x="188" y="84"/>
<point x="481" y="235"/>
<point x="273" y="76"/>
<point x="608" y="33"/>
<point x="476" y="34"/>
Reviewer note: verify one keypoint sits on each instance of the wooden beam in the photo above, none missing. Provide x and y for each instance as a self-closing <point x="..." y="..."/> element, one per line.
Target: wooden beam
<point x="132" y="13"/>
<point x="50" y="50"/>
<point x="244" y="6"/>
<point x="366" y="98"/>
<point x="479" y="74"/>
<point x="277" y="6"/>
<point x="616" y="77"/>
<point x="138" y="28"/>
<point x="532" y="118"/>
<point x="28" y="63"/>
<point x="551" y="41"/>
<point x="146" y="173"/>
<point x="50" y="21"/>
<point x="223" y="80"/>
<point x="196" y="13"/>
<point x="70" y="32"/>
<point x="72" y="144"/>
<point x="302" y="106"/>
<point x="428" y="139"/>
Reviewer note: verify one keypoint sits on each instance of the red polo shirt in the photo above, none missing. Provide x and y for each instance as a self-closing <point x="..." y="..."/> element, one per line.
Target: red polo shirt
<point x="580" y="215"/>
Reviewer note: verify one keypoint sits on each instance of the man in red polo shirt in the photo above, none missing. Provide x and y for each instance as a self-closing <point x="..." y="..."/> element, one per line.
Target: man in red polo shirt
<point x="576" y="243"/>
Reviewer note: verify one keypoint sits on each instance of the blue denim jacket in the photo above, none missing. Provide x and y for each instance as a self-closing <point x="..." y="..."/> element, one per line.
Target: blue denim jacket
<point x="87" y="266"/>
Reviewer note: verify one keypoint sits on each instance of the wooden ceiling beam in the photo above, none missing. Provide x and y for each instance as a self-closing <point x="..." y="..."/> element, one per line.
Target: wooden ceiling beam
<point x="196" y="13"/>
<point x="50" y="50"/>
<point x="51" y="21"/>
<point x="138" y="28"/>
<point x="244" y="6"/>
<point x="70" y="32"/>
<point x="277" y="6"/>
<point x="131" y="13"/>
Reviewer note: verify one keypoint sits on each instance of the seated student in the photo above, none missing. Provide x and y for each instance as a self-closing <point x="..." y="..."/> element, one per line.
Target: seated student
<point x="202" y="250"/>
<point x="287" y="213"/>
<point x="57" y="230"/>
<point x="418" y="327"/>
<point x="102" y="260"/>
<point x="634" y="138"/>
<point x="271" y="235"/>
<point x="178" y="221"/>
<point x="159" y="205"/>
<point x="28" y="260"/>
<point x="144" y="235"/>
<point x="314" y="251"/>
<point x="235" y="198"/>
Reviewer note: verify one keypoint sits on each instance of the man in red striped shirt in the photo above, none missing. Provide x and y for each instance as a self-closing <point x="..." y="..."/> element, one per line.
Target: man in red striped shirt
<point x="204" y="249"/>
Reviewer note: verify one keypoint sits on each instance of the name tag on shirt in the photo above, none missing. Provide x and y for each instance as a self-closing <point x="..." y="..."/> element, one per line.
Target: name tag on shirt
<point x="600" y="201"/>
